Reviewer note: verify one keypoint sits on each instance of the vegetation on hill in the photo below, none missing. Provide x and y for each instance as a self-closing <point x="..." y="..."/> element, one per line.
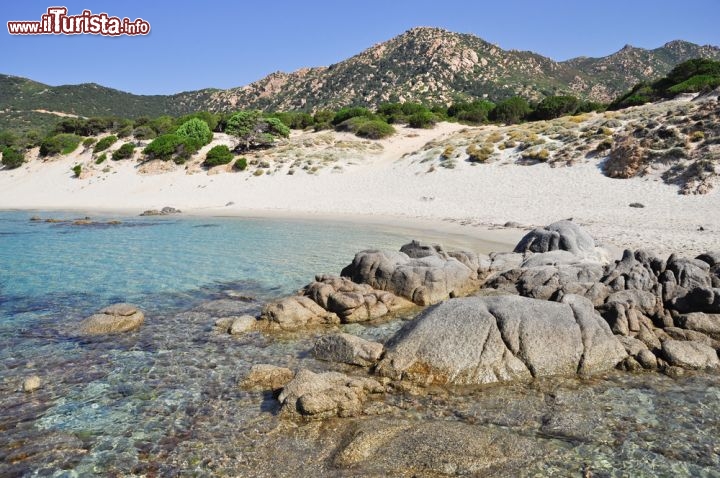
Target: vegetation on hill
<point x="218" y="155"/>
<point x="692" y="76"/>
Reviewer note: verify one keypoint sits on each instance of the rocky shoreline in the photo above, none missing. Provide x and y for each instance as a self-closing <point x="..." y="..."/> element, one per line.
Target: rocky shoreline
<point x="556" y="306"/>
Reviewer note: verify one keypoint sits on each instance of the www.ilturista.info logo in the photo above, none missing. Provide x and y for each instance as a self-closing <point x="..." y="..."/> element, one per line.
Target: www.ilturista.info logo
<point x="57" y="22"/>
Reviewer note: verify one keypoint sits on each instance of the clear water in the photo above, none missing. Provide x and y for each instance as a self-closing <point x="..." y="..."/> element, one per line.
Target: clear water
<point x="165" y="401"/>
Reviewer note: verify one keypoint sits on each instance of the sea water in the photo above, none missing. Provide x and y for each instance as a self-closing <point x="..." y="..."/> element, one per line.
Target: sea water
<point x="166" y="401"/>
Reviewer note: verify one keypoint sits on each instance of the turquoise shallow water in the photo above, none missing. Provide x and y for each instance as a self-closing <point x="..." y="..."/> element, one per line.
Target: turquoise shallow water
<point x="165" y="400"/>
<point x="54" y="274"/>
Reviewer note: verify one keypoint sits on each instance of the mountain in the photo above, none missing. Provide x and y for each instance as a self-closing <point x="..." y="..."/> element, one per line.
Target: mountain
<point x="423" y="64"/>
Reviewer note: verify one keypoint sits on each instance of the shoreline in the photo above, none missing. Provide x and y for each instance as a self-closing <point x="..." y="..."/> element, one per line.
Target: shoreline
<point x="448" y="232"/>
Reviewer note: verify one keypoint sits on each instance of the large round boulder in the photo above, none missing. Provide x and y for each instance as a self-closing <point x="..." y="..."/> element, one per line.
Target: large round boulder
<point x="561" y="235"/>
<point x="478" y="340"/>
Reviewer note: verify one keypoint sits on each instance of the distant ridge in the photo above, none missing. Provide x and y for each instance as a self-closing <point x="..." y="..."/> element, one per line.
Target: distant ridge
<point x="423" y="64"/>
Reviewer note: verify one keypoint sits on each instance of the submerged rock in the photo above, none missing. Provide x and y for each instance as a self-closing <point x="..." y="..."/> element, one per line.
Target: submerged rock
<point x="114" y="319"/>
<point x="325" y="395"/>
<point x="435" y="448"/>
<point x="348" y="349"/>
<point x="427" y="277"/>
<point x="267" y="377"/>
<point x="30" y="384"/>
<point x="478" y="340"/>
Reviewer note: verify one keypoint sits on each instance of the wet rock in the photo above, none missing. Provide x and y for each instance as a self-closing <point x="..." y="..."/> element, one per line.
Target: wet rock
<point x="36" y="218"/>
<point x="480" y="340"/>
<point x="435" y="448"/>
<point x="117" y="318"/>
<point x="267" y="377"/>
<point x="564" y="235"/>
<point x="30" y="384"/>
<point x="242" y="324"/>
<point x="348" y="349"/>
<point x="353" y="302"/>
<point x="424" y="280"/>
<point x="236" y="325"/>
<point x="296" y="312"/>
<point x="325" y="395"/>
<point x="688" y="354"/>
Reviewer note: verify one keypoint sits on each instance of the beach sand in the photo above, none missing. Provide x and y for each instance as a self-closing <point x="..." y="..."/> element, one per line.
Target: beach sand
<point x="388" y="185"/>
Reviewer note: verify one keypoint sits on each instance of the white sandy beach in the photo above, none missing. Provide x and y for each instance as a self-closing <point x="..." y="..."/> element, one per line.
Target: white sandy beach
<point x="390" y="186"/>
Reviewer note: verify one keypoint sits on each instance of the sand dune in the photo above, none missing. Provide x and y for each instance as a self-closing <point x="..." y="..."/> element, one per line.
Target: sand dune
<point x="388" y="181"/>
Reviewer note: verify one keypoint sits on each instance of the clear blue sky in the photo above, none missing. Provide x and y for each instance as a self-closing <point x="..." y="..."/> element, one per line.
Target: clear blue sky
<point x="224" y="44"/>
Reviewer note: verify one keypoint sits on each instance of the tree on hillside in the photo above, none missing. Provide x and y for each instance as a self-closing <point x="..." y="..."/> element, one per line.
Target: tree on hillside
<point x="254" y="130"/>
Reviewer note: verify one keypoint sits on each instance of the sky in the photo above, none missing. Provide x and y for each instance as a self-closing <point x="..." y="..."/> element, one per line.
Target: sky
<point x="224" y="44"/>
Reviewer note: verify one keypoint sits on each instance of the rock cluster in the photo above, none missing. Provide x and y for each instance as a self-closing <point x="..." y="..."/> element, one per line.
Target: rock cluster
<point x="641" y="296"/>
<point x="167" y="210"/>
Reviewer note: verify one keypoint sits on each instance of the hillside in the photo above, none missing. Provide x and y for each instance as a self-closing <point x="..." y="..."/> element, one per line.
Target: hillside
<point x="427" y="65"/>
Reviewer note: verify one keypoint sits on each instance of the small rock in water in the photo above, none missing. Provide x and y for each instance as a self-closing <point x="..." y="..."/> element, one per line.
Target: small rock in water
<point x="637" y="204"/>
<point x="113" y="319"/>
<point x="36" y="218"/>
<point x="31" y="384"/>
<point x="267" y="377"/>
<point x="242" y="324"/>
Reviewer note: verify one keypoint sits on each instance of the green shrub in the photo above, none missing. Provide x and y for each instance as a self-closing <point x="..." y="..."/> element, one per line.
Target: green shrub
<point x="240" y="163"/>
<point x="351" y="125"/>
<point x="218" y="155"/>
<point x="144" y="132"/>
<point x="556" y="106"/>
<point x="375" y="129"/>
<point x="77" y="169"/>
<point x="475" y="112"/>
<point x="105" y="143"/>
<point x="123" y="152"/>
<point x="511" y="111"/>
<point x="422" y="119"/>
<point x="12" y="158"/>
<point x="64" y="143"/>
<point x="353" y="112"/>
<point x="196" y="130"/>
<point x="87" y="142"/>
<point x="295" y="119"/>
<point x="101" y="159"/>
<point x="255" y="130"/>
<point x="125" y="131"/>
<point x="171" y="146"/>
